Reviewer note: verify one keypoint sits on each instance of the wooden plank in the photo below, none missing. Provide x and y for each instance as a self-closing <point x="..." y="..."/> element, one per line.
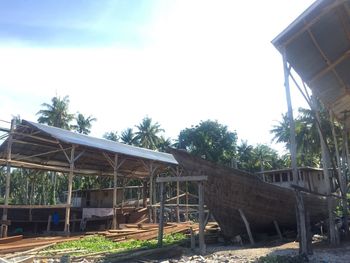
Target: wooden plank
<point x="34" y="206"/>
<point x="181" y="179"/>
<point x="6" y="240"/>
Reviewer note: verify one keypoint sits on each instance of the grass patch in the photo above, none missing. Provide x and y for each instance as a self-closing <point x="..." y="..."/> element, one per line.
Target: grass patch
<point x="95" y="244"/>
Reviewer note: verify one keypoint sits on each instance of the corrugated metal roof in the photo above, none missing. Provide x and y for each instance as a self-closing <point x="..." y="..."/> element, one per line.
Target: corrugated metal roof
<point x="317" y="46"/>
<point x="103" y="144"/>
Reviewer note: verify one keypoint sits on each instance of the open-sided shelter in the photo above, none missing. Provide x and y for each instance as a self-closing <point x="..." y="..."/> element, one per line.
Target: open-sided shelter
<point x="36" y="146"/>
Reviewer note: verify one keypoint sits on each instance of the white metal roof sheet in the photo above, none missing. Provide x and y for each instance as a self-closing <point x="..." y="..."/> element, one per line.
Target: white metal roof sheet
<point x="103" y="144"/>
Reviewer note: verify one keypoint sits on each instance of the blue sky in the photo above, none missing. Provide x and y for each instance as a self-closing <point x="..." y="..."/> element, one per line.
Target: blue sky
<point x="179" y="62"/>
<point x="67" y="23"/>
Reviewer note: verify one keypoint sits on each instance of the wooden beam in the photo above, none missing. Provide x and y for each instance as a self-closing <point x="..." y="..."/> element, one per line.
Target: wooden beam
<point x="330" y="67"/>
<point x="246" y="223"/>
<point x="310" y="23"/>
<point x="34" y="206"/>
<point x="182" y="179"/>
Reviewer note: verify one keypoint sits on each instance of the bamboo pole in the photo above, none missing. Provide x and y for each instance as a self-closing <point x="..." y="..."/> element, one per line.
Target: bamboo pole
<point x="115" y="192"/>
<point x="8" y="178"/>
<point x="69" y="193"/>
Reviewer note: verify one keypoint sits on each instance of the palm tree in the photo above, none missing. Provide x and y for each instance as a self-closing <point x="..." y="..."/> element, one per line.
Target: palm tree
<point x="128" y="136"/>
<point x="245" y="156"/>
<point x="56" y="114"/>
<point x="164" y="144"/>
<point x="83" y="124"/>
<point x="147" y="134"/>
<point x="112" y="136"/>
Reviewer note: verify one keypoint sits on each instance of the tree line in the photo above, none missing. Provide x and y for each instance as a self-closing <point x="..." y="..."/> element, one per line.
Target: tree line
<point x="209" y="139"/>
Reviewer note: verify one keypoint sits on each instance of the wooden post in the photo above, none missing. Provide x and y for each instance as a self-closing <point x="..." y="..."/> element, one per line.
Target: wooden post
<point x="201" y="218"/>
<point x="193" y="239"/>
<point x="48" y="227"/>
<point x="293" y="152"/>
<point x="123" y="196"/>
<point x="246" y="223"/>
<point x="308" y="233"/>
<point x="342" y="174"/>
<point x="150" y="210"/>
<point x="115" y="181"/>
<point x="8" y="178"/>
<point x="154" y="199"/>
<point x="186" y="201"/>
<point x="138" y="197"/>
<point x="161" y="216"/>
<point x="69" y="193"/>
<point x="278" y="229"/>
<point x="144" y="193"/>
<point x="325" y="163"/>
<point x="177" y="201"/>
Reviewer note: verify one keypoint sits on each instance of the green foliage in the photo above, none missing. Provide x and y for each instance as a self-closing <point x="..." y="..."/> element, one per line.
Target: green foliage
<point x="112" y="136"/>
<point x="56" y="114"/>
<point x="210" y="140"/>
<point x="283" y="259"/>
<point x="94" y="244"/>
<point x="83" y="124"/>
<point x="148" y="134"/>
<point x="128" y="136"/>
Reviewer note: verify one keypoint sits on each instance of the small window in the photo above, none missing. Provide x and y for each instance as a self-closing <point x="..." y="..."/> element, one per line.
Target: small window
<point x="290" y="176"/>
<point x="277" y="178"/>
<point x="284" y="177"/>
<point x="322" y="176"/>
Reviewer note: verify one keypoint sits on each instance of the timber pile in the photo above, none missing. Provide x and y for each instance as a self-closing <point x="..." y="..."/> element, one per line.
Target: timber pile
<point x="30" y="243"/>
<point x="145" y="231"/>
<point x="32" y="248"/>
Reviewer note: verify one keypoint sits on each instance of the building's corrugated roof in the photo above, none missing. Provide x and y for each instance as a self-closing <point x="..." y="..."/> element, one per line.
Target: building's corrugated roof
<point x="107" y="145"/>
<point x="317" y="46"/>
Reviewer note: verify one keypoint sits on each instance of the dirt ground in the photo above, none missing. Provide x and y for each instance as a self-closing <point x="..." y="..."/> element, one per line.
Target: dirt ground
<point x="219" y="253"/>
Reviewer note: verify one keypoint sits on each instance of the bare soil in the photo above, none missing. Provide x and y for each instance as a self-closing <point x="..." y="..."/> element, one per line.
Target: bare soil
<point x="220" y="253"/>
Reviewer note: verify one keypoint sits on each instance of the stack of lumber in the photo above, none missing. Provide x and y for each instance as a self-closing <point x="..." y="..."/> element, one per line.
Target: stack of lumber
<point x="144" y="231"/>
<point x="17" y="243"/>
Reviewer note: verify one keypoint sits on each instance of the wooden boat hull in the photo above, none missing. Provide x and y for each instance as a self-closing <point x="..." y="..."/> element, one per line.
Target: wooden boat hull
<point x="228" y="190"/>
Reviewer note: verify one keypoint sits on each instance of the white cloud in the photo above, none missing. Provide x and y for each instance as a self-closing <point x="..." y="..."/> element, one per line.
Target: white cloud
<point x="206" y="60"/>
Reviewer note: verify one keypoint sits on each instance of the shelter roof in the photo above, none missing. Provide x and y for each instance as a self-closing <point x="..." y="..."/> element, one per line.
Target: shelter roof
<point x="317" y="46"/>
<point x="49" y="147"/>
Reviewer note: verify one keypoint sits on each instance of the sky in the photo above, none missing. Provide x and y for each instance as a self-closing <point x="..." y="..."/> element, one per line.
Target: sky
<point x="178" y="62"/>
